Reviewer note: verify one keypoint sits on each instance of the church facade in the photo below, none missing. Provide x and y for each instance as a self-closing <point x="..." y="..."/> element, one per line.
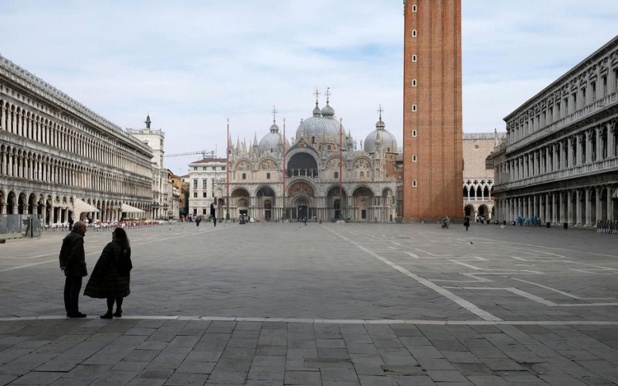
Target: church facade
<point x="318" y="174"/>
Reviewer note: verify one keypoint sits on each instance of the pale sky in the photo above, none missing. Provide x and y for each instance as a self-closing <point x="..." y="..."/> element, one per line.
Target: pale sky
<point x="192" y="64"/>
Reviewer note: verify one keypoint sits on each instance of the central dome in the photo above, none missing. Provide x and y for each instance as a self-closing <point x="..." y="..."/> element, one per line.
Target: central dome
<point x="321" y="128"/>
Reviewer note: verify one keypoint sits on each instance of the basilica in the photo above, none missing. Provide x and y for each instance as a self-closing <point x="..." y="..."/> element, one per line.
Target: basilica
<point x="319" y="174"/>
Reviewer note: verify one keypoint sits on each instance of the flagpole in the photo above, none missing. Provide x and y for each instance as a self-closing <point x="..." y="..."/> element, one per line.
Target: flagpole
<point x="283" y="168"/>
<point x="341" y="167"/>
<point x="227" y="171"/>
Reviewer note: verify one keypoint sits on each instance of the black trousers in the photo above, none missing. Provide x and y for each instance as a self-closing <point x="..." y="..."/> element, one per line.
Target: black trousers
<point x="72" y="288"/>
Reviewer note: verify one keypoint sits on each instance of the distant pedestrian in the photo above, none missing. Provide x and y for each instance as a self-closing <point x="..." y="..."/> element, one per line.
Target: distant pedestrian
<point x="70" y="221"/>
<point x="467" y="223"/>
<point x="111" y="275"/>
<point x="198" y="220"/>
<point x="305" y="220"/>
<point x="73" y="264"/>
<point x="445" y="222"/>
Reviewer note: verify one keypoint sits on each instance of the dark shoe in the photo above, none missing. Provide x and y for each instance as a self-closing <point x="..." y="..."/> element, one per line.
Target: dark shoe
<point x="118" y="313"/>
<point x="77" y="315"/>
<point x="108" y="315"/>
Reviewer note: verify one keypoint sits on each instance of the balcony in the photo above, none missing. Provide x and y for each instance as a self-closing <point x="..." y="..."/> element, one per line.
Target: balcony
<point x="570" y="173"/>
<point x="569" y="120"/>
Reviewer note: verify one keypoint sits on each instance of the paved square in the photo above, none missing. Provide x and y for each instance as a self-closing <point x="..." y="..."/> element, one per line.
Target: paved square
<point x="345" y="304"/>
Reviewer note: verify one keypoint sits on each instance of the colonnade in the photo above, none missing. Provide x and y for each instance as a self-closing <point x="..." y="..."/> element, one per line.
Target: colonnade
<point x="579" y="206"/>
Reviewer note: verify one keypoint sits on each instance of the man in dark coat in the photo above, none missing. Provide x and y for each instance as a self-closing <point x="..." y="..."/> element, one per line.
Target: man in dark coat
<point x="73" y="264"/>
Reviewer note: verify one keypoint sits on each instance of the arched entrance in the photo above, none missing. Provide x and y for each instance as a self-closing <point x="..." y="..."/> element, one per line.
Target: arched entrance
<point x="10" y="203"/>
<point x="265" y="198"/>
<point x="469" y="210"/>
<point x="301" y="194"/>
<point x="362" y="200"/>
<point x="483" y="213"/>
<point x="301" y="205"/>
<point x="240" y="201"/>
<point x="336" y="203"/>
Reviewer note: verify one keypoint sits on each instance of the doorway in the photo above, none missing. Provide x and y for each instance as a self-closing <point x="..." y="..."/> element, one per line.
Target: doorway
<point x="302" y="212"/>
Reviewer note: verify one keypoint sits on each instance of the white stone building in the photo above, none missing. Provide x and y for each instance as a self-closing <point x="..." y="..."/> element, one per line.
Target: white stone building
<point x="478" y="174"/>
<point x="162" y="195"/>
<point x="560" y="159"/>
<point x="60" y="160"/>
<point x="205" y="179"/>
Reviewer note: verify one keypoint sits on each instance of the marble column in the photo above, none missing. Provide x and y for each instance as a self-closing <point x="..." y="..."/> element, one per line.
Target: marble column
<point x="561" y="207"/>
<point x="569" y="161"/>
<point x="610" y="204"/>
<point x="554" y="208"/>
<point x="578" y="207"/>
<point x="599" y="136"/>
<point x="569" y="206"/>
<point x="598" y="205"/>
<point x="588" y="136"/>
<point x="588" y="204"/>
<point x="547" y="216"/>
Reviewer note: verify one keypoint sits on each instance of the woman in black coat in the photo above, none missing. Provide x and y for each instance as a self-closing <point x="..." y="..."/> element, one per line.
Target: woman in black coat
<point x="111" y="277"/>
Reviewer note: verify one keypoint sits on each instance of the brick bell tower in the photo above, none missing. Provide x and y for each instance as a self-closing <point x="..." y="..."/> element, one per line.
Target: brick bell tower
<point x="432" y="105"/>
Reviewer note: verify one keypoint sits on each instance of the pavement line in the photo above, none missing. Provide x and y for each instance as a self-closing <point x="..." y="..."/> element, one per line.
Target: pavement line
<point x="467" y="265"/>
<point x="442" y="291"/>
<point x="27" y="265"/>
<point x="329" y="321"/>
<point x="548" y="288"/>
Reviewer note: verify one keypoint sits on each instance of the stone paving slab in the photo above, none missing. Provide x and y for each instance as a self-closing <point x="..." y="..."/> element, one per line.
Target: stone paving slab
<point x="330" y="304"/>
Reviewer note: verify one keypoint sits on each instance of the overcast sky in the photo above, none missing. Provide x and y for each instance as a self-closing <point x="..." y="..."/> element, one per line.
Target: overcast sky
<point x="192" y="65"/>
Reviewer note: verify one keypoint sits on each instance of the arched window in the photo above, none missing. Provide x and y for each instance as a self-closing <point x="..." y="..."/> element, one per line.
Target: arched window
<point x="268" y="176"/>
<point x="244" y="176"/>
<point x="336" y="174"/>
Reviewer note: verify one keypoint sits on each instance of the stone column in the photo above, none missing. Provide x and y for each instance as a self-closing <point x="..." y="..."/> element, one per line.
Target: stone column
<point x="599" y="134"/>
<point x="569" y="206"/>
<point x="561" y="207"/>
<point x="554" y="217"/>
<point x="535" y="206"/>
<point x="588" y="204"/>
<point x="569" y="161"/>
<point x="611" y="149"/>
<point x="578" y="207"/>
<point x="556" y="154"/>
<point x="599" y="207"/>
<point x="610" y="204"/>
<point x="588" y="137"/>
<point x="547" y="208"/>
